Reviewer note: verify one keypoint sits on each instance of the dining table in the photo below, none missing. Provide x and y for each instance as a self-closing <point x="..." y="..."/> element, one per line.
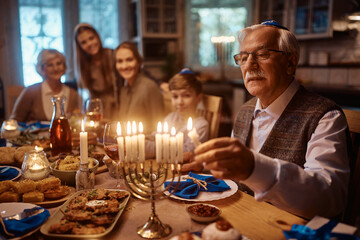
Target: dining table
<point x="253" y="219"/>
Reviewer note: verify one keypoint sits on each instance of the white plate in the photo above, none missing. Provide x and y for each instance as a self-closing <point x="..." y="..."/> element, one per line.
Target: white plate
<point x="17" y="169"/>
<point x="207" y="196"/>
<point x="8" y="209"/>
<point x="58" y="215"/>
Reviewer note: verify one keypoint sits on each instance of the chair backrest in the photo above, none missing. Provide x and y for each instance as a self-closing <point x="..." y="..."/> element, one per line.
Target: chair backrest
<point x="353" y="207"/>
<point x="13" y="92"/>
<point x="212" y="113"/>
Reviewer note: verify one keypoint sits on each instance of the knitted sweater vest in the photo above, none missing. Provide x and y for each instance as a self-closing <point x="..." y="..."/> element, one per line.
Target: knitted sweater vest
<point x="289" y="137"/>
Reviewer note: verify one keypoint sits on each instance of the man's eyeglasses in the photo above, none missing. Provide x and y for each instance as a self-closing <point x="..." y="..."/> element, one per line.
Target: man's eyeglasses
<point x="260" y="54"/>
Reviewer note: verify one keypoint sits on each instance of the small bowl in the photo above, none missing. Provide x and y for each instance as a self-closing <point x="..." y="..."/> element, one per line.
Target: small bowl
<point x="200" y="216"/>
<point x="68" y="177"/>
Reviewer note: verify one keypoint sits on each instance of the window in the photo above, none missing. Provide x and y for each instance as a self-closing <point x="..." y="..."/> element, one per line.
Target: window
<point x="40" y="27"/>
<point x="102" y="14"/>
<point x="211" y="28"/>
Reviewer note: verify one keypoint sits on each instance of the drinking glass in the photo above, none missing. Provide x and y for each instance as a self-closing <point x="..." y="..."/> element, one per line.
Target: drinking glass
<point x="111" y="148"/>
<point x="94" y="110"/>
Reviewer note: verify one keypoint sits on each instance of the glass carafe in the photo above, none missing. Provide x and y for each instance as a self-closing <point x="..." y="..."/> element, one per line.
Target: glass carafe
<point x="60" y="132"/>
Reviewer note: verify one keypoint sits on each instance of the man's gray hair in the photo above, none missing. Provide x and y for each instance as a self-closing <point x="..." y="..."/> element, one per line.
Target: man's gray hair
<point x="287" y="40"/>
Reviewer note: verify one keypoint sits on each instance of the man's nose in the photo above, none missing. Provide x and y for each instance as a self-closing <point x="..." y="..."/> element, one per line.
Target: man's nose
<point x="251" y="62"/>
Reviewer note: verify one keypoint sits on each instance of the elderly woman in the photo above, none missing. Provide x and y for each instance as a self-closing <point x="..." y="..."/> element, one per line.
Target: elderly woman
<point x="140" y="97"/>
<point x="34" y="102"/>
<point x="94" y="67"/>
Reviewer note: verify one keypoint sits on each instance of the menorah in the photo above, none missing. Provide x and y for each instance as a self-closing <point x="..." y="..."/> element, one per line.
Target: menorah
<point x="149" y="187"/>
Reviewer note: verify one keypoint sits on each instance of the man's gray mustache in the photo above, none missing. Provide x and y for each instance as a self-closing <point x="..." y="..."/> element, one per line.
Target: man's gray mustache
<point x="257" y="74"/>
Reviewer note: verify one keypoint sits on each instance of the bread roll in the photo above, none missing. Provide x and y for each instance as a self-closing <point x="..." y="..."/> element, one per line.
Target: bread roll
<point x="10" y="197"/>
<point x="24" y="186"/>
<point x="48" y="183"/>
<point x="5" y="185"/>
<point x="20" y="153"/>
<point x="7" y="155"/>
<point x="34" y="196"/>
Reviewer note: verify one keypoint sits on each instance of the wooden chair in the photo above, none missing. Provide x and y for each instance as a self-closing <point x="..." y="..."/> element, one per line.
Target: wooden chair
<point x="353" y="204"/>
<point x="13" y="92"/>
<point x="212" y="113"/>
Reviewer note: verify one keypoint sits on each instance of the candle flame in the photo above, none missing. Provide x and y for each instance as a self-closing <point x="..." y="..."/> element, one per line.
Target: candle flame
<point x="159" y="127"/>
<point x="128" y="128"/>
<point x="36" y="148"/>
<point x="82" y="125"/>
<point x="166" y="127"/>
<point x="92" y="123"/>
<point x="141" y="128"/>
<point x="118" y="129"/>
<point x="36" y="166"/>
<point x="173" y="131"/>
<point x="189" y="124"/>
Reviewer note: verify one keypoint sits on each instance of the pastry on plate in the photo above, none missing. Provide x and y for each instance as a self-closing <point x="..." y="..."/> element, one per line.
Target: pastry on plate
<point x="220" y="230"/>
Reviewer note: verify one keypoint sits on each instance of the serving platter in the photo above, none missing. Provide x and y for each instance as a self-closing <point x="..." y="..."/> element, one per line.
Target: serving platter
<point x="56" y="217"/>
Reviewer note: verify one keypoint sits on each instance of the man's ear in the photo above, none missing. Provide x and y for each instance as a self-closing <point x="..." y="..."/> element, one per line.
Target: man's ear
<point x="292" y="63"/>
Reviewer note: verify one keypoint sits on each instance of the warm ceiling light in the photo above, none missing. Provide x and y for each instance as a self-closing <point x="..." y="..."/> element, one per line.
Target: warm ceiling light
<point x="354" y="16"/>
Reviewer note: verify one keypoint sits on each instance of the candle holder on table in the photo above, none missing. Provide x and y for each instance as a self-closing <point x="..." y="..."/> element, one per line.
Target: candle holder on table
<point x="150" y="189"/>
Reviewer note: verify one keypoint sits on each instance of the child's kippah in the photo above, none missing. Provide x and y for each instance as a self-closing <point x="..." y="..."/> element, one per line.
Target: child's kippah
<point x="186" y="71"/>
<point x="273" y="23"/>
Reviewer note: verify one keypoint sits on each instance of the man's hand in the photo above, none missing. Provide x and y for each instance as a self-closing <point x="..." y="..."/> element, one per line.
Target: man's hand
<point x="190" y="164"/>
<point x="226" y="158"/>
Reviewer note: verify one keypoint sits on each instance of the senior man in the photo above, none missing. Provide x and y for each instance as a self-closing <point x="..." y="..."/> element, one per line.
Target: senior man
<point x="289" y="145"/>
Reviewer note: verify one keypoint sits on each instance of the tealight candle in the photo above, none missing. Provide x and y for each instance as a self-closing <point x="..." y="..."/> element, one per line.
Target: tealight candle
<point x="158" y="143"/>
<point x="134" y="143"/>
<point x="193" y="135"/>
<point x="172" y="145"/>
<point x="128" y="146"/>
<point x="166" y="143"/>
<point x="35" y="166"/>
<point x="120" y="142"/>
<point x="83" y="144"/>
<point x="141" y="139"/>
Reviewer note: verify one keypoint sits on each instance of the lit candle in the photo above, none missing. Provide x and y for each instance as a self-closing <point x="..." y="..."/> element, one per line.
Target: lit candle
<point x="120" y="142"/>
<point x="180" y="146"/>
<point x="172" y="145"/>
<point x="134" y="140"/>
<point x="83" y="144"/>
<point x="158" y="143"/>
<point x="128" y="142"/>
<point x="36" y="168"/>
<point x="166" y="142"/>
<point x="141" y="139"/>
<point x="193" y="135"/>
<point x="38" y="149"/>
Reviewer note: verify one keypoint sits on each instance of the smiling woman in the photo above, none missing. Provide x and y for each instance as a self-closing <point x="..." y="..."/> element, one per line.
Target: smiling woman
<point x="140" y="97"/>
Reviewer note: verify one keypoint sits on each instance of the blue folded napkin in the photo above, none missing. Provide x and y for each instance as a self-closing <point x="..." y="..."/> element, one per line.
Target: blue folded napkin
<point x="26" y="225"/>
<point x="34" y="125"/>
<point x="9" y="174"/>
<point x="189" y="189"/>
<point x="2" y="142"/>
<point x="302" y="232"/>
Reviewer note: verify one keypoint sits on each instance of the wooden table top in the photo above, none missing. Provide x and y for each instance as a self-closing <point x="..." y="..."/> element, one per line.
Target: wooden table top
<point x="256" y="220"/>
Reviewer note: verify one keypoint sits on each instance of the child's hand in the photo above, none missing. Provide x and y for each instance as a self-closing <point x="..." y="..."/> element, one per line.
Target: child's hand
<point x="190" y="164"/>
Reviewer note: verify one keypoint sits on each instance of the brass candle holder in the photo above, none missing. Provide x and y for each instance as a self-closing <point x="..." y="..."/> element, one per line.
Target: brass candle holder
<point x="148" y="186"/>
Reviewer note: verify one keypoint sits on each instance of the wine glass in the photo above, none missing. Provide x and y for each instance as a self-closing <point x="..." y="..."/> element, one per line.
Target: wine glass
<point x="111" y="147"/>
<point x="94" y="110"/>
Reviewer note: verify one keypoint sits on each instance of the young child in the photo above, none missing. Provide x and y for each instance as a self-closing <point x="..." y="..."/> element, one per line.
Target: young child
<point x="185" y="96"/>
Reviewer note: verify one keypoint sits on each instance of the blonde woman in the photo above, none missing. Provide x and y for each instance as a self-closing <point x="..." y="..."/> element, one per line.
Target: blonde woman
<point x="34" y="102"/>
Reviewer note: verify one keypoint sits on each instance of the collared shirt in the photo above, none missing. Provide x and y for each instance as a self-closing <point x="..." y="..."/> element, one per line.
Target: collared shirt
<point x="46" y="94"/>
<point x="291" y="187"/>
